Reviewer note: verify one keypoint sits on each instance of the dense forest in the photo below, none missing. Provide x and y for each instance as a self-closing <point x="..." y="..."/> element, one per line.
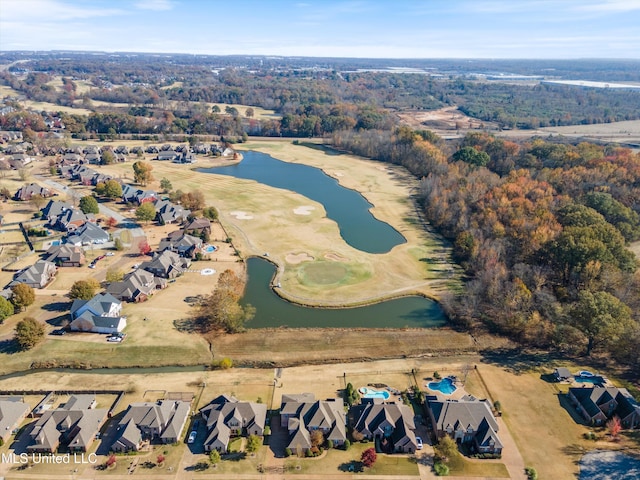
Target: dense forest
<point x="316" y="96"/>
<point x="541" y="229"/>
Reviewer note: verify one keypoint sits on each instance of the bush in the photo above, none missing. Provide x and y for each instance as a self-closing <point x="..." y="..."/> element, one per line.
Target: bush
<point x="441" y="469"/>
<point x="437" y="375"/>
<point x="223" y="364"/>
<point x="214" y="457"/>
<point x="590" y="436"/>
<point x="287" y="452"/>
<point x="308" y="453"/>
<point x="346" y="445"/>
<point x="531" y="473"/>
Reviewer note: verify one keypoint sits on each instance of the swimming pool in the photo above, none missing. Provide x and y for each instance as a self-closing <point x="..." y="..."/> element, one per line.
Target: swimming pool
<point x="585" y="373"/>
<point x="371" y="393"/>
<point x="210" y="248"/>
<point x="597" y="380"/>
<point x="444" y="386"/>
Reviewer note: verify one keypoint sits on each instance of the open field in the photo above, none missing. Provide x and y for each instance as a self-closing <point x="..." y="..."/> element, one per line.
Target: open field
<point x="420" y="266"/>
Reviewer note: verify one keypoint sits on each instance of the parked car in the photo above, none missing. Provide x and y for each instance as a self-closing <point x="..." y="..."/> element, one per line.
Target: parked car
<point x="110" y="254"/>
<point x="192" y="437"/>
<point x="114" y="339"/>
<point x="58" y="331"/>
<point x="419" y="443"/>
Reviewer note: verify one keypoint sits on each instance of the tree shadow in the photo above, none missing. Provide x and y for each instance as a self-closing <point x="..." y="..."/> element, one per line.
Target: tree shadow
<point x="516" y="361"/>
<point x="198" y="467"/>
<point x="327" y="150"/>
<point x="187" y="325"/>
<point x="59" y="321"/>
<point x="56" y="307"/>
<point x="9" y="346"/>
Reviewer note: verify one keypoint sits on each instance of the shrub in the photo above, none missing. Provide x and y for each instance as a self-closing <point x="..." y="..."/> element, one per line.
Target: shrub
<point x="214" y="457"/>
<point x="369" y="457"/>
<point x="437" y="375"/>
<point x="308" y="453"/>
<point x="346" y="445"/>
<point x="531" y="473"/>
<point x="287" y="452"/>
<point x="441" y="469"/>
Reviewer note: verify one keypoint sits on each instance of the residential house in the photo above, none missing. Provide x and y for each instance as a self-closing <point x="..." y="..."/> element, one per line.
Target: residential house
<point x="301" y="414"/>
<point x="167" y="212"/>
<point x="54" y="209"/>
<point x="20" y="160"/>
<point x="122" y="149"/>
<point x="166" y="264"/>
<point x="144" y="196"/>
<point x="136" y="286"/>
<point x="101" y="314"/>
<point x="65" y="255"/>
<point x="27" y="192"/>
<point x="12" y="412"/>
<point x="71" y="220"/>
<point x="198" y="226"/>
<point x="468" y="421"/>
<point x="72" y="157"/>
<point x="152" y="149"/>
<point x="74" y="425"/>
<point x="93" y="159"/>
<point x="599" y="404"/>
<point x="168" y="155"/>
<point x="161" y="422"/>
<point x="185" y="157"/>
<point x="227" y="417"/>
<point x="181" y="243"/>
<point x="88" y="234"/>
<point x="391" y="423"/>
<point x="38" y="275"/>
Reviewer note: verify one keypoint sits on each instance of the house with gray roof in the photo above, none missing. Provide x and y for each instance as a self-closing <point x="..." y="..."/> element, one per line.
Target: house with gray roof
<point x="88" y="234"/>
<point x="27" y="192"/>
<point x="54" y="209"/>
<point x="38" y="275"/>
<point x="161" y="422"/>
<point x="198" y="226"/>
<point x="166" y="264"/>
<point x="168" y="212"/>
<point x="65" y="255"/>
<point x="226" y="417"/>
<point x="181" y="243"/>
<point x="73" y="425"/>
<point x="391" y="423"/>
<point x="468" y="421"/>
<point x="72" y="219"/>
<point x="136" y="286"/>
<point x="12" y="412"/>
<point x="302" y="414"/>
<point x="599" y="404"/>
<point x="169" y="155"/>
<point x="101" y="314"/>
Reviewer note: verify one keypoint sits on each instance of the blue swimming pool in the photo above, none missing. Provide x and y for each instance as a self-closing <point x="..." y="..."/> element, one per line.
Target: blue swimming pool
<point x="210" y="248"/>
<point x="55" y="243"/>
<point x="597" y="380"/>
<point x="371" y="393"/>
<point x="444" y="386"/>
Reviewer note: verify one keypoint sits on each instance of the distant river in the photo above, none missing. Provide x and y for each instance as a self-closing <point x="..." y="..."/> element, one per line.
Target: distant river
<point x="350" y="210"/>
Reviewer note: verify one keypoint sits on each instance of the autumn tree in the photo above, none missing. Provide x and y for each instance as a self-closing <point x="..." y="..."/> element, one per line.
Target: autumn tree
<point x="211" y="213"/>
<point x="146" y="212"/>
<point x="142" y="172"/>
<point x="84" y="289"/>
<point x="37" y="201"/>
<point x="112" y="189"/>
<point x="114" y="275"/>
<point x="615" y="427"/>
<point x="601" y="317"/>
<point x="317" y="438"/>
<point x="111" y="222"/>
<point x="107" y="157"/>
<point x="369" y="457"/>
<point x="222" y="310"/>
<point x="29" y="332"/>
<point x="144" y="248"/>
<point x="22" y="296"/>
<point x="89" y="204"/>
<point x="214" y="457"/>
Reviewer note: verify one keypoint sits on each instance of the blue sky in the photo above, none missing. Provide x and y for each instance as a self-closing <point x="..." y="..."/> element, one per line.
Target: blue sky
<point x="332" y="28"/>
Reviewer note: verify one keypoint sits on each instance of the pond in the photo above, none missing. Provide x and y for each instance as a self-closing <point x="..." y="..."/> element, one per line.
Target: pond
<point x="273" y="311"/>
<point x="348" y="208"/>
<point x="608" y="465"/>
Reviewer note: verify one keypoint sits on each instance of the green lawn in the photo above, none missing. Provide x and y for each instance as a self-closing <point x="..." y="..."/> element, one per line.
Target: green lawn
<point x="235" y="464"/>
<point x="460" y="466"/>
<point x="336" y="461"/>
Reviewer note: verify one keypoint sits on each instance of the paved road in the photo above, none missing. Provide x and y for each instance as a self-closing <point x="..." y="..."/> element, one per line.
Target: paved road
<point x="123" y="222"/>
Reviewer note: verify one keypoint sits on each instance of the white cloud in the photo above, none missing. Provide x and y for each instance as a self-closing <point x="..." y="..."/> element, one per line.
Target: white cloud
<point x="52" y="10"/>
<point x="157" y="5"/>
<point x="609" y="6"/>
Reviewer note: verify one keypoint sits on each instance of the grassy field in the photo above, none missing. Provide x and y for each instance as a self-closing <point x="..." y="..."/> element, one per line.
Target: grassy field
<point x="373" y="276"/>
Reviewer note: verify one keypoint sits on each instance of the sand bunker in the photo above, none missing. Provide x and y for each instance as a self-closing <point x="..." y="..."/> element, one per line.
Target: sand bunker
<point x="338" y="174"/>
<point x="296" y="258"/>
<point x="336" y="257"/>
<point x="304" y="210"/>
<point x="241" y="215"/>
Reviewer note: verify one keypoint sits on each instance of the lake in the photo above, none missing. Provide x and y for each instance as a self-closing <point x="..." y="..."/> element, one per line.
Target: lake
<point x="273" y="311"/>
<point x="358" y="227"/>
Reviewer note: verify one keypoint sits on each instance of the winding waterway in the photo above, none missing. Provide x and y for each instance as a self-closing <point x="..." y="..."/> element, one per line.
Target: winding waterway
<point x="273" y="311"/>
<point x="350" y="210"/>
<point x="358" y="227"/>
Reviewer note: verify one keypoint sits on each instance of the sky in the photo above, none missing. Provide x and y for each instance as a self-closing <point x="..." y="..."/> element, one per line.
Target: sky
<point x="550" y="29"/>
